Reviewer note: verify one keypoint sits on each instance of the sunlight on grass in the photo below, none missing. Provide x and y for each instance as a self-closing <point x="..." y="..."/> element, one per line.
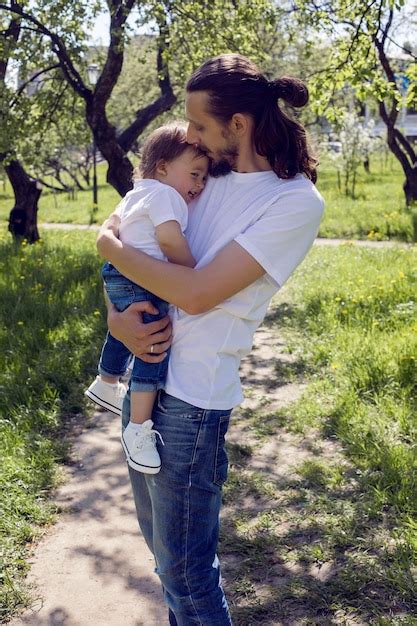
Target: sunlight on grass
<point x="52" y="324"/>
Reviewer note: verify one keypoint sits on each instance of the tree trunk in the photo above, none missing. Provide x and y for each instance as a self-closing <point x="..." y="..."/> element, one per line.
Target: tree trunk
<point x="23" y="216"/>
<point x="410" y="187"/>
<point x="119" y="173"/>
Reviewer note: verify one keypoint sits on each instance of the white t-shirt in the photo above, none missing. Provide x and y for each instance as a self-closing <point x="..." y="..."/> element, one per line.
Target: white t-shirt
<point x="276" y="222"/>
<point x="149" y="204"/>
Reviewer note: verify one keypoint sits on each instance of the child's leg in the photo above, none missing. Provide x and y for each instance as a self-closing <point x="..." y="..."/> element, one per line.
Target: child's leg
<point x="106" y="390"/>
<point x="112" y="380"/>
<point x="141" y="405"/>
<point x="138" y="438"/>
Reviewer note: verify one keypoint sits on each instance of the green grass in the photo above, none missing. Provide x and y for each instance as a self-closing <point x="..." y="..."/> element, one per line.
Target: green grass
<point x="356" y="324"/>
<point x="50" y="332"/>
<point x="377" y="213"/>
<point x="333" y="539"/>
<point x="65" y="208"/>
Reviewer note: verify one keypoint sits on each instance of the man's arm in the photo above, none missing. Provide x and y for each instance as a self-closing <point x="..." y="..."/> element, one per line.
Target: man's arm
<point x="193" y="290"/>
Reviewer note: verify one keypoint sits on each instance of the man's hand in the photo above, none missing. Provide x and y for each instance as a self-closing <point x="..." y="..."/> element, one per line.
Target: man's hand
<point x="127" y="327"/>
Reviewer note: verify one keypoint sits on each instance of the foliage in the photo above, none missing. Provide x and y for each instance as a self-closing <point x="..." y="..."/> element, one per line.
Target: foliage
<point x="222" y="26"/>
<point x="360" y="62"/>
<point x="52" y="325"/>
<point x="237" y="25"/>
<point x="356" y="145"/>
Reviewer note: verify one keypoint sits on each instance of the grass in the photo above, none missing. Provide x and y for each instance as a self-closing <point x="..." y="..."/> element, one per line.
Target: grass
<point x="358" y="331"/>
<point x="51" y="329"/>
<point x="65" y="208"/>
<point x="377" y="213"/>
<point x="332" y="538"/>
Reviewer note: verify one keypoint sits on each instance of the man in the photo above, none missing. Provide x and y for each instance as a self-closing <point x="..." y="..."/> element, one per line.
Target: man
<point x="249" y="230"/>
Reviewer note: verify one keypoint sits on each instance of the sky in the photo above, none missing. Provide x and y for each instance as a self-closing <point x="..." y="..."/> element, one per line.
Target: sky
<point x="100" y="32"/>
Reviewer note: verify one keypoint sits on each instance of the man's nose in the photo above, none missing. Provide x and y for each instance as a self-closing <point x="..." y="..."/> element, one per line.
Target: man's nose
<point x="191" y="135"/>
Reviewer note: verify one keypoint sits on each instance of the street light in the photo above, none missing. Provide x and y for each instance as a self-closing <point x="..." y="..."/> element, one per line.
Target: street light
<point x="93" y="72"/>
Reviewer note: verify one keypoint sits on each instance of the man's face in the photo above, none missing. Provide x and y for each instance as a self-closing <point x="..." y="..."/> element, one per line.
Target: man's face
<point x="215" y="139"/>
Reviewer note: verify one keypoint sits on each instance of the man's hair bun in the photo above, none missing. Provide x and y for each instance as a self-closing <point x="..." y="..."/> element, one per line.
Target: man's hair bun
<point x="291" y="90"/>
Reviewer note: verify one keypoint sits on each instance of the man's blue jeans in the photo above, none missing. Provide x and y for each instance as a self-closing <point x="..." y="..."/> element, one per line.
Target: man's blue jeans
<point x="178" y="509"/>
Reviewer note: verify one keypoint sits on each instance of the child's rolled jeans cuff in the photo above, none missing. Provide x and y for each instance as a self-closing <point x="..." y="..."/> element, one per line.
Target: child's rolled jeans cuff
<point x="146" y="385"/>
<point x="104" y="372"/>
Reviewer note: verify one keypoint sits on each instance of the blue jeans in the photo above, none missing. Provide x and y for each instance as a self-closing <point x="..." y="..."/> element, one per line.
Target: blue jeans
<point x="115" y="356"/>
<point x="178" y="509"/>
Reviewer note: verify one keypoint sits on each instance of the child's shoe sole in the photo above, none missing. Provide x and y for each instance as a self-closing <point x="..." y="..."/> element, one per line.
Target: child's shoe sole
<point x="102" y="403"/>
<point x="144" y="469"/>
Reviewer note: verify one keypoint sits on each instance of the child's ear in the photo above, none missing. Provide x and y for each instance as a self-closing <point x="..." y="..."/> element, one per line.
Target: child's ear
<point x="161" y="168"/>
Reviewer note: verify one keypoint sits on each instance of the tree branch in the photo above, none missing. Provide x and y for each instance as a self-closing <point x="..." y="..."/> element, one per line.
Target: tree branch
<point x="58" y="47"/>
<point x="165" y="101"/>
<point x="114" y="61"/>
<point x="11" y="35"/>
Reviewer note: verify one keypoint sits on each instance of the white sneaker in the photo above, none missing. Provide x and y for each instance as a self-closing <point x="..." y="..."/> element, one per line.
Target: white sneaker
<point x="107" y="395"/>
<point x="140" y="448"/>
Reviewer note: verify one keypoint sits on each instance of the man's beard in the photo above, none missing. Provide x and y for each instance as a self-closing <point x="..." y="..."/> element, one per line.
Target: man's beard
<point x="224" y="162"/>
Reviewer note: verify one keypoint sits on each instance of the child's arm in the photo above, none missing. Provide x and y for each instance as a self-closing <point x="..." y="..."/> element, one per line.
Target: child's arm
<point x="173" y="243"/>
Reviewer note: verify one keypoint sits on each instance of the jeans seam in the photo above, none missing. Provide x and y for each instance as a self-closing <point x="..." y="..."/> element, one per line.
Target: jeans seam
<point x="188" y="517"/>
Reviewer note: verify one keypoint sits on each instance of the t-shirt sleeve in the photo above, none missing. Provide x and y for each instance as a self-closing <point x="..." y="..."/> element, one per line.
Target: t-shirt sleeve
<point x="119" y="210"/>
<point x="280" y="239"/>
<point x="167" y="205"/>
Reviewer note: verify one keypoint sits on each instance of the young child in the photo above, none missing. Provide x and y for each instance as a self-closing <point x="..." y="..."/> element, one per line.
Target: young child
<point x="153" y="218"/>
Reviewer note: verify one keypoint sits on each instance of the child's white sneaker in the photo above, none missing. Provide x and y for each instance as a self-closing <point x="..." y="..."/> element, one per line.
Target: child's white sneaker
<point x="107" y="395"/>
<point x="139" y="444"/>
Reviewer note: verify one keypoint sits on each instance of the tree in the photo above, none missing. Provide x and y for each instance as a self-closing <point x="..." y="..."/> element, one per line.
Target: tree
<point x="240" y="21"/>
<point x="360" y="33"/>
<point x="356" y="144"/>
<point x="22" y="222"/>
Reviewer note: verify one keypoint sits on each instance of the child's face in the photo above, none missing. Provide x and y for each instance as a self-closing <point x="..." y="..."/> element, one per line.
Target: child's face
<point x="187" y="174"/>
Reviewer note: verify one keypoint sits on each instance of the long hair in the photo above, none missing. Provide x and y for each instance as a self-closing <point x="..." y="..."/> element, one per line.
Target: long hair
<point x="236" y="85"/>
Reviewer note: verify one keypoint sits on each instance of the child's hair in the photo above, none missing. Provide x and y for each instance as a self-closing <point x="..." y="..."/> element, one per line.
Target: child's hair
<point x="166" y="143"/>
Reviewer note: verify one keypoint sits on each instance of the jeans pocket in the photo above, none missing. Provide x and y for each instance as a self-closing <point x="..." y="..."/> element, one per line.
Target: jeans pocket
<point x="120" y="295"/>
<point x="221" y="462"/>
<point x="169" y="405"/>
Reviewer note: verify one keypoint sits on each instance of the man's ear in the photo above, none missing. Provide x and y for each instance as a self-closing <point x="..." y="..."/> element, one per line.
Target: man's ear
<point x="161" y="168"/>
<point x="239" y="124"/>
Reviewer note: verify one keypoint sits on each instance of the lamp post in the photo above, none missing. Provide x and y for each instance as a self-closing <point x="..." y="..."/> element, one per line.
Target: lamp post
<point x="93" y="72"/>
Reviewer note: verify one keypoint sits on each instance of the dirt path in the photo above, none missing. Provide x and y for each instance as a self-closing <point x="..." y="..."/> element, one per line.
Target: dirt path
<point x="320" y="241"/>
<point x="93" y="567"/>
<point x="297" y="545"/>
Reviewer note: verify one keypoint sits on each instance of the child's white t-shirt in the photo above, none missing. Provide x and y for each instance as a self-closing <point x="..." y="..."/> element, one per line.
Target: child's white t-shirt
<point x="149" y="204"/>
<point x="276" y="222"/>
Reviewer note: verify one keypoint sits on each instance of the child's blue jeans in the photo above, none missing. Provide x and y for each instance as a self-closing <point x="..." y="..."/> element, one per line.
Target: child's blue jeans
<point x="115" y="356"/>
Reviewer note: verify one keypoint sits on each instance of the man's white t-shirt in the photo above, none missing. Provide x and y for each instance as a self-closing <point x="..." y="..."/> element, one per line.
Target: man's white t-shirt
<point x="149" y="204"/>
<point x="276" y="222"/>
